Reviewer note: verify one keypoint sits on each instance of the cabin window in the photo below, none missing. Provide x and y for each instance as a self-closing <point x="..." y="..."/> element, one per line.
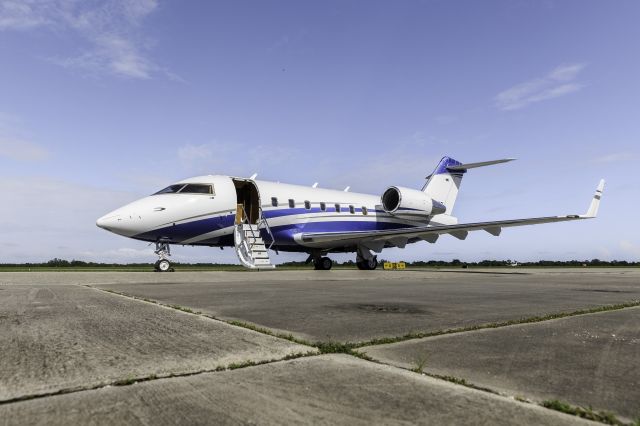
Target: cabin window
<point x="171" y="189"/>
<point x="352" y="210"/>
<point x="337" y="208"/>
<point x="364" y="211"/>
<point x="274" y="201"/>
<point x="307" y="205"/>
<point x="196" y="188"/>
<point x="323" y="207"/>
<point x="292" y="203"/>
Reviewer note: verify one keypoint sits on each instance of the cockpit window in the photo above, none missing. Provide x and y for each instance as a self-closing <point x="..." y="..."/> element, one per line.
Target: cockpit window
<point x="171" y="189"/>
<point x="196" y="188"/>
<point x="188" y="188"/>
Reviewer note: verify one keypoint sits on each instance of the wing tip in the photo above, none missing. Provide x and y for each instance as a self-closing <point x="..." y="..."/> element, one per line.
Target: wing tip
<point x="595" y="201"/>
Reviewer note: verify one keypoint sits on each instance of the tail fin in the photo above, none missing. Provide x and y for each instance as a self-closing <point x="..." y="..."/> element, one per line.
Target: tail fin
<point x="444" y="183"/>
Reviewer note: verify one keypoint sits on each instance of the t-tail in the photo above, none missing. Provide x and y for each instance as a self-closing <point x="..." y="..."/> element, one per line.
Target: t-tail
<point x="444" y="183"/>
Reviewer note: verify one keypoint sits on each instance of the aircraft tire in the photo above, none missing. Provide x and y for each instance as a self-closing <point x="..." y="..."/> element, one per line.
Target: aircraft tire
<point x="368" y="265"/>
<point x="372" y="263"/>
<point x="164" y="265"/>
<point x="326" y="263"/>
<point x="322" y="264"/>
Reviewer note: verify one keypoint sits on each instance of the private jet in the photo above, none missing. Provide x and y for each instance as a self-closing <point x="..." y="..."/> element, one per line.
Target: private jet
<point x="254" y="217"/>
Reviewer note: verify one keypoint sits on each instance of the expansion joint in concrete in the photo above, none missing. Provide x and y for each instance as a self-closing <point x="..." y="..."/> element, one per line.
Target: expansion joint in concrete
<point x="528" y="320"/>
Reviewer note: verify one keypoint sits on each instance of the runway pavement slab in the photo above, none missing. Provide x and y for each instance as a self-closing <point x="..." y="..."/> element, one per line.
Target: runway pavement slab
<point x="587" y="360"/>
<point x="62" y="337"/>
<point x="329" y="389"/>
<point x="362" y="305"/>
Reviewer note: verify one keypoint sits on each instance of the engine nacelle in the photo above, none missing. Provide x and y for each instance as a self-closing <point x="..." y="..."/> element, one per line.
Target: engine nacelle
<point x="410" y="203"/>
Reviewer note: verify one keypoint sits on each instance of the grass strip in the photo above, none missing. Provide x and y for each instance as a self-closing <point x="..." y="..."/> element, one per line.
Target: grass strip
<point x="586" y="413"/>
<point x="527" y="320"/>
<point x="141" y="379"/>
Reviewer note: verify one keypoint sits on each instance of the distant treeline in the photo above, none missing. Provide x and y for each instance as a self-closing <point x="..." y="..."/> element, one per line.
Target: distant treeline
<point x="62" y="263"/>
<point x="500" y="263"/>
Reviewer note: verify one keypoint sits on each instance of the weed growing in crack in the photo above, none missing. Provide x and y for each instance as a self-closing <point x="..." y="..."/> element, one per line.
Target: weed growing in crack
<point x="125" y="382"/>
<point x="420" y="364"/>
<point x="586" y="413"/>
<point x="180" y="308"/>
<point x="290" y="337"/>
<point x="528" y="320"/>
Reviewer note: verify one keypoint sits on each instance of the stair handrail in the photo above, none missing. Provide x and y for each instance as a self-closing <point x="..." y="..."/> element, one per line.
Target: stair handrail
<point x="263" y="220"/>
<point x="245" y="217"/>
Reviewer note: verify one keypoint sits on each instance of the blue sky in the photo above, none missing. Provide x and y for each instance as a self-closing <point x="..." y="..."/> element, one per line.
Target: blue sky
<point x="102" y="102"/>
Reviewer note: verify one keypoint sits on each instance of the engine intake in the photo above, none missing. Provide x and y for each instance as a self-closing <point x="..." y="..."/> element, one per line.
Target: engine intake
<point x="410" y="203"/>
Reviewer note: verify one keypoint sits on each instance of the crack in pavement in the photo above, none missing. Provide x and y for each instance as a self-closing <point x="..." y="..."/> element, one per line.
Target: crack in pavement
<point x="320" y="347"/>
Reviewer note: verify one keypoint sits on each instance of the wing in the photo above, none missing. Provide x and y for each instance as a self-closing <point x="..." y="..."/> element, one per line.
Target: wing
<point x="376" y="240"/>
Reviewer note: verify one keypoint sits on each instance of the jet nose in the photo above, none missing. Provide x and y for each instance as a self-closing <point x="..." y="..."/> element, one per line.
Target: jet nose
<point x="107" y="221"/>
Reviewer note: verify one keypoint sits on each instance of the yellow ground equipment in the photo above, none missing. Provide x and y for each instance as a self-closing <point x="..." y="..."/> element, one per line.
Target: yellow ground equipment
<point x="392" y="265"/>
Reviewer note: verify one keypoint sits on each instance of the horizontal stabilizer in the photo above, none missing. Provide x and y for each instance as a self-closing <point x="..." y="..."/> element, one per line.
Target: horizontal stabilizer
<point x="464" y="167"/>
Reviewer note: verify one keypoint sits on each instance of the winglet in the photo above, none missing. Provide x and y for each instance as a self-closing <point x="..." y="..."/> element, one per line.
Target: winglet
<point x="595" y="201"/>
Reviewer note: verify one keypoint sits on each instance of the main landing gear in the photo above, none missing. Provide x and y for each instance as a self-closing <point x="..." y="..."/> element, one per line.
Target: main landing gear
<point x="365" y="260"/>
<point x="367" y="265"/>
<point x="320" y="263"/>
<point x="163" y="250"/>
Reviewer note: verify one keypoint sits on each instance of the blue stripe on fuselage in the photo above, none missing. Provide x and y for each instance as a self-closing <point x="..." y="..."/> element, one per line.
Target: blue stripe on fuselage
<point x="183" y="231"/>
<point x="283" y="234"/>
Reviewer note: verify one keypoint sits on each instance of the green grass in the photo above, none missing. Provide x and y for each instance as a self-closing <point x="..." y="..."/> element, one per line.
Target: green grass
<point x="350" y="348"/>
<point x="420" y="364"/>
<point x="586" y="413"/>
<point x="182" y="308"/>
<point x="119" y="268"/>
<point x="527" y="320"/>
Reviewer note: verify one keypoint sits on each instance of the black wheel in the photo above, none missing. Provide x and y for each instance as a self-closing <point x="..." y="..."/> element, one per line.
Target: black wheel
<point x="155" y="266"/>
<point x="326" y="263"/>
<point x="322" y="264"/>
<point x="164" y="265"/>
<point x="368" y="265"/>
<point x="372" y="263"/>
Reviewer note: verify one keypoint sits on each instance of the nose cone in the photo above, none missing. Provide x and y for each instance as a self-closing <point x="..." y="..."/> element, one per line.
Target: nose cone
<point x="108" y="221"/>
<point x="122" y="222"/>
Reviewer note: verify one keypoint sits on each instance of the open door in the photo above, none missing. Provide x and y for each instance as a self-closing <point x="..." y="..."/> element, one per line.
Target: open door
<point x="248" y="201"/>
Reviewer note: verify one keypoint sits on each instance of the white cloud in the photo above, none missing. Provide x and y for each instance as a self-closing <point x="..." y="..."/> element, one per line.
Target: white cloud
<point x="613" y="157"/>
<point x="16" y="147"/>
<point x="236" y="158"/>
<point x="631" y="249"/>
<point x="21" y="150"/>
<point x="190" y="153"/>
<point x="445" y="119"/>
<point x="19" y="15"/>
<point x="558" y="82"/>
<point x="41" y="214"/>
<point x="108" y="28"/>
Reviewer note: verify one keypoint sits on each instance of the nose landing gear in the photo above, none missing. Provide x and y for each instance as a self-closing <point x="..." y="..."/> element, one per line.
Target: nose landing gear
<point x="163" y="250"/>
<point x="365" y="260"/>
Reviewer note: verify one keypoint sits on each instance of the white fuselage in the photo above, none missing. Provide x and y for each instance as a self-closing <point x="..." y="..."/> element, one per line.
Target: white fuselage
<point x="289" y="210"/>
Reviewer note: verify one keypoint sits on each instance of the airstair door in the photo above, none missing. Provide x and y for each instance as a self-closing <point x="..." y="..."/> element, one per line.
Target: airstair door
<point x="250" y="246"/>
